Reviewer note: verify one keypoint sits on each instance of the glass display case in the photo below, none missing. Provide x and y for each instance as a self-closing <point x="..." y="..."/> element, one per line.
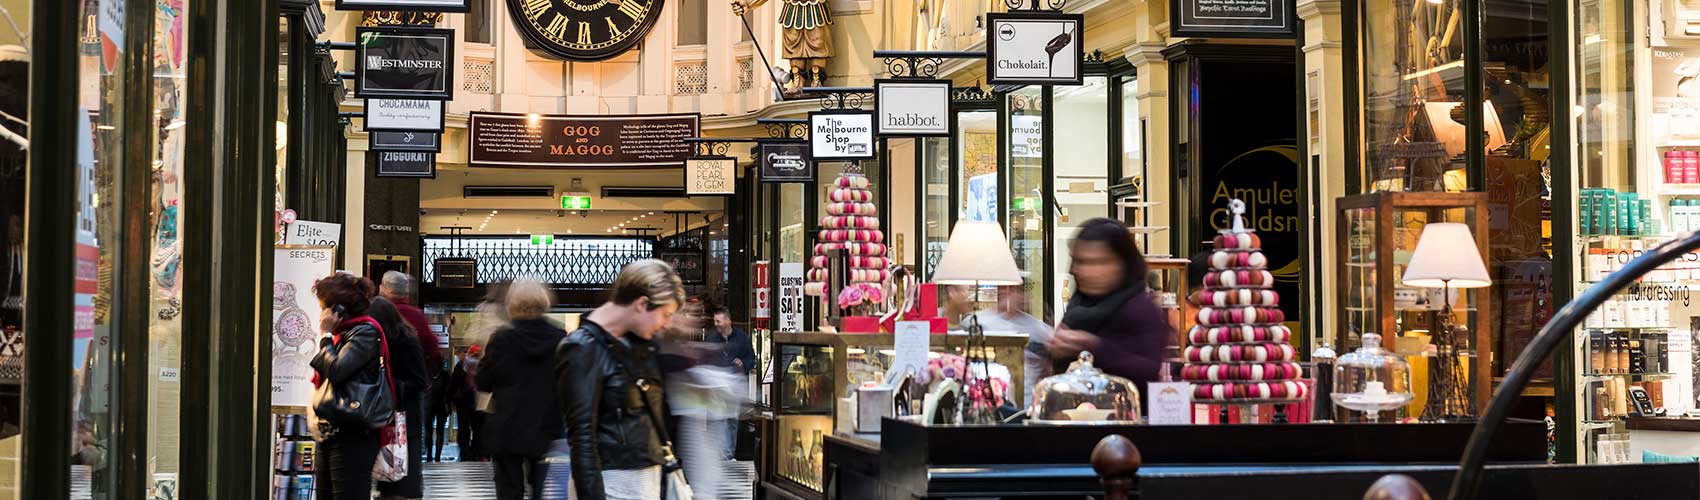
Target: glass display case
<point x="1085" y="395"/>
<point x="814" y="374"/>
<point x="1378" y="233"/>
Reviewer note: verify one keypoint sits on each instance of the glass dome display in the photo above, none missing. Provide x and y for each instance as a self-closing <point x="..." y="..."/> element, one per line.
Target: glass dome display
<point x="1371" y="379"/>
<point x="1083" y="396"/>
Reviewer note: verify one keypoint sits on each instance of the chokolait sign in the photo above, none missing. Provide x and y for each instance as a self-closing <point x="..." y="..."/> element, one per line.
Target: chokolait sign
<point x="1232" y="18"/>
<point x="404" y="62"/>
<point x="786" y="162"/>
<point x="1034" y="48"/>
<point x="841" y="135"/>
<point x="509" y="140"/>
<point x="912" y="107"/>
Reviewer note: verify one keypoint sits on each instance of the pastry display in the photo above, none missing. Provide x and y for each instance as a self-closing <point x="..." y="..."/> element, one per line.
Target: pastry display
<point x="851" y="224"/>
<point x="1239" y="350"/>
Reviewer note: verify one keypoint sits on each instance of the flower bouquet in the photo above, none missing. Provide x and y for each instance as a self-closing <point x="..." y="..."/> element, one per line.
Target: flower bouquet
<point x="859" y="301"/>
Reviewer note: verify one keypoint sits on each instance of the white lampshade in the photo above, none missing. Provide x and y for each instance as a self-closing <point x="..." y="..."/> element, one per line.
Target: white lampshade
<point x="977" y="254"/>
<point x="1446" y="255"/>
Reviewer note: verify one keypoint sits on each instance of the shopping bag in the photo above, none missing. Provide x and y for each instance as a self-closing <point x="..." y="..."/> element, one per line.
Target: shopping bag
<point x="391" y="465"/>
<point x="674" y="481"/>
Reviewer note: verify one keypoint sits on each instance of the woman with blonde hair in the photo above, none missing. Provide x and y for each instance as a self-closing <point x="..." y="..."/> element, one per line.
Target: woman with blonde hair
<point x="517" y="370"/>
<point x="610" y="385"/>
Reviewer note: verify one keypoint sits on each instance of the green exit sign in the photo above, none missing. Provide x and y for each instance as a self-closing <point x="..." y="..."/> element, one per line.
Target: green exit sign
<point x="542" y="239"/>
<point x="575" y="202"/>
<point x="1025" y="203"/>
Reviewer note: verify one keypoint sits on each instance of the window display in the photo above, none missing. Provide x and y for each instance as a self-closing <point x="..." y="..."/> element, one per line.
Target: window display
<point x="1028" y="205"/>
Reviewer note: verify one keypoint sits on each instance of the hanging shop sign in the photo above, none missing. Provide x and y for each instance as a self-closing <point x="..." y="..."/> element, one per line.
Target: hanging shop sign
<point x="583" y="30"/>
<point x="404" y="115"/>
<point x="912" y="107"/>
<point x="841" y="135"/>
<point x="455" y="272"/>
<point x="407" y="5"/>
<point x="405" y="141"/>
<point x="1035" y="48"/>
<point x="710" y="175"/>
<point x="404" y="62"/>
<point x="510" y="140"/>
<point x="1232" y="18"/>
<point x="417" y="164"/>
<point x="786" y="162"/>
<point x="295" y="320"/>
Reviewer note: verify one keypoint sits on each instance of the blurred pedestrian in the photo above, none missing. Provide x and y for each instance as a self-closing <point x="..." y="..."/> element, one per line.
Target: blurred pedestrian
<point x="1011" y="316"/>
<point x="517" y="369"/>
<point x="1111" y="314"/>
<point x="702" y="397"/>
<point x="618" y="449"/>
<point x="412" y="378"/>
<point x="464" y="396"/>
<point x="738" y="354"/>
<point x="348" y="355"/>
<point x="437" y="410"/>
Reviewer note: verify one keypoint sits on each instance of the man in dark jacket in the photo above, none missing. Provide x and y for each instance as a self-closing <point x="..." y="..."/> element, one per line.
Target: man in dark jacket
<point x="517" y="370"/>
<point x="738" y="353"/>
<point x="407" y="365"/>
<point x="464" y="398"/>
<point x="397" y="287"/>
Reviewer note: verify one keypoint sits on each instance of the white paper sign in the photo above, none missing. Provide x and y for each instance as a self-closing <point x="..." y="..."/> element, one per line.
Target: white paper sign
<point x="841" y="135"/>
<point x="1027" y="136"/>
<point x="910" y="341"/>
<point x="912" y="108"/>
<point x="791" y="296"/>
<point x="1171" y="403"/>
<point x="1034" y="49"/>
<point x="295" y="321"/>
<point x="411" y="115"/>
<point x="311" y="233"/>
<point x="710" y="176"/>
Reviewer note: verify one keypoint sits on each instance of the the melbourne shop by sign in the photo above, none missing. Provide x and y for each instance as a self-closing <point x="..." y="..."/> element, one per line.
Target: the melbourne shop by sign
<point x="1034" y="48"/>
<point x="404" y="62"/>
<point x="411" y="115"/>
<point x="1232" y="18"/>
<point x="405" y="163"/>
<point x="710" y="175"/>
<point x="841" y="135"/>
<point x="786" y="162"/>
<point x="509" y="140"/>
<point x="414" y="5"/>
<point x="912" y="107"/>
<point x="405" y="141"/>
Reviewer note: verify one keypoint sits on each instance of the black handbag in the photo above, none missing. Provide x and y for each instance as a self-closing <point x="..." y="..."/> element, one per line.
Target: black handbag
<point x="366" y="401"/>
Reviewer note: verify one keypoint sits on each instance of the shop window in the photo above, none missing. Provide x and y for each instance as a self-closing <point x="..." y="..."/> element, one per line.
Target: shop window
<point x="1028" y="205"/>
<point x="1081" y="171"/>
<point x="977" y="166"/>
<point x="14" y="113"/>
<point x="693" y="22"/>
<point x="478" y="19"/>
<point x="1412" y="76"/>
<point x="934" y="226"/>
<point x="165" y="235"/>
<point x="281" y="169"/>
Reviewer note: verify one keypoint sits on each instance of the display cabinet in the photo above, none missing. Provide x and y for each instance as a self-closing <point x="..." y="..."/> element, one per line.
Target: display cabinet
<point x="1169" y="281"/>
<point x="1377" y="234"/>
<point x="813" y="372"/>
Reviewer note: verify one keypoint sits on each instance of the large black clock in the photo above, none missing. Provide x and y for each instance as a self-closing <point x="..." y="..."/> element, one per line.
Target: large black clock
<point x="584" y="30"/>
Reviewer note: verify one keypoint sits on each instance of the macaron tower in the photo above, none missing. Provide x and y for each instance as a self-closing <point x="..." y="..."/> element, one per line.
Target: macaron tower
<point x="1239" y="350"/>
<point x="851" y="223"/>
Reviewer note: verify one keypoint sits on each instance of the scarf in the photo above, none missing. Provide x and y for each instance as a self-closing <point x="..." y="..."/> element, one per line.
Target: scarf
<point x="1090" y="314"/>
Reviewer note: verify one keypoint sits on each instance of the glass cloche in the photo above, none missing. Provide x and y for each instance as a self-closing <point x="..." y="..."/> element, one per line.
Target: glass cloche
<point x="1085" y="395"/>
<point x="1372" y="379"/>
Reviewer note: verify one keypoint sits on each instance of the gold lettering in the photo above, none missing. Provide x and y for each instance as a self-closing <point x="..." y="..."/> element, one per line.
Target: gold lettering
<point x="613" y="29"/>
<point x="557" y="149"/>
<point x="557" y="29"/>
<point x="535" y="8"/>
<point x="583" y="33"/>
<point x="632" y="9"/>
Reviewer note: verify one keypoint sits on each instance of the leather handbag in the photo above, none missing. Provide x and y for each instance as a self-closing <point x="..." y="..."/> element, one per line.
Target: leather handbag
<point x="365" y="401"/>
<point x="672" y="475"/>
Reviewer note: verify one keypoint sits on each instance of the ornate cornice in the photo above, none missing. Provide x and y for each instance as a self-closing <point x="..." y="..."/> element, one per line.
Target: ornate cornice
<point x="1312" y="9"/>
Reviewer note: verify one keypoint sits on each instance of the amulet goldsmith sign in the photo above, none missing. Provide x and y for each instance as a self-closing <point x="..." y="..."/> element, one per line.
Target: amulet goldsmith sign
<point x="841" y="135"/>
<point x="508" y="140"/>
<point x="912" y="108"/>
<point x="1031" y="48"/>
<point x="404" y="62"/>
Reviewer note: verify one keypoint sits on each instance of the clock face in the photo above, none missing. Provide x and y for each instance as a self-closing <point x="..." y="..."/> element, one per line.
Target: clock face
<point x="584" y="30"/>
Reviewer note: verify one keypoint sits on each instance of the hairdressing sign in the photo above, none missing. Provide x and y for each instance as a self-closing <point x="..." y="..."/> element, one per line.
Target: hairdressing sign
<point x="912" y="108"/>
<point x="841" y="135"/>
<point x="1034" y="48"/>
<point x="404" y="62"/>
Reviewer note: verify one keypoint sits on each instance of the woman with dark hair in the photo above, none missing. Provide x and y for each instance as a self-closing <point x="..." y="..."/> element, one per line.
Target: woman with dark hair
<point x="348" y="353"/>
<point x="1111" y="315"/>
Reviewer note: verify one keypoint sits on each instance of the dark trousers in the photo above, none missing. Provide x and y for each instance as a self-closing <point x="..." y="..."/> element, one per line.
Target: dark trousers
<point x="436" y="433"/>
<point x="471" y="422"/>
<point x="513" y="473"/>
<point x="344" y="467"/>
<point x="412" y="486"/>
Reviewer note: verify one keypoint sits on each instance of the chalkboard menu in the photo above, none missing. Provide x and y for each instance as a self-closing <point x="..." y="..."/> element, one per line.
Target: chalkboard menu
<point x="1232" y="18"/>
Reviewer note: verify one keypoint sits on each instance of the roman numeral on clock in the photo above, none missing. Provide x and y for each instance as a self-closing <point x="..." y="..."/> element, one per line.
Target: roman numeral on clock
<point x="557" y="29"/>
<point x="632" y="9"/>
<point x="583" y="33"/>
<point x="613" y="29"/>
<point x="535" y="8"/>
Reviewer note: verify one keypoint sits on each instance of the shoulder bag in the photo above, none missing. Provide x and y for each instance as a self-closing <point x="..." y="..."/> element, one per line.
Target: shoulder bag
<point x="359" y="401"/>
<point x="672" y="476"/>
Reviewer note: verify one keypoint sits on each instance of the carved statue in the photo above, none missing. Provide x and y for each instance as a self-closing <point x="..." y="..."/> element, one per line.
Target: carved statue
<point x="808" y="42"/>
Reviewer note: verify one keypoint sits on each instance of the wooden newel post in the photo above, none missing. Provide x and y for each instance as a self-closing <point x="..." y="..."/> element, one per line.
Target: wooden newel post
<point x="1396" y="487"/>
<point x="1116" y="460"/>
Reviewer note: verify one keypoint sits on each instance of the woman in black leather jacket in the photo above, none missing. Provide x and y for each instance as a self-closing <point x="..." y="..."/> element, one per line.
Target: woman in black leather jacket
<point x="610" y="386"/>
<point x="345" y="452"/>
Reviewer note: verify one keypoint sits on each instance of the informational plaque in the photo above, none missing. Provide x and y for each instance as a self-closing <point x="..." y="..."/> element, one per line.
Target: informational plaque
<point x="510" y="140"/>
<point x="1232" y="18"/>
<point x="404" y="62"/>
<point x="295" y="320"/>
<point x="1035" y="48"/>
<point x="912" y="107"/>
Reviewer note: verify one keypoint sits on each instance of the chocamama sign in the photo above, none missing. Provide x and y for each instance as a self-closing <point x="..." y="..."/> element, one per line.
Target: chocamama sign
<point x="912" y="108"/>
<point x="841" y="135"/>
<point x="404" y="62"/>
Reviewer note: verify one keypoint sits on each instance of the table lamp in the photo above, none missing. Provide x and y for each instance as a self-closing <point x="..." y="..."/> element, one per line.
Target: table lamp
<point x="1447" y="257"/>
<point x="977" y="255"/>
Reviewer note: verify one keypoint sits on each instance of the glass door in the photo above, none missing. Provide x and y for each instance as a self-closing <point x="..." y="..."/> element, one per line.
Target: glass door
<point x="1028" y="205"/>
